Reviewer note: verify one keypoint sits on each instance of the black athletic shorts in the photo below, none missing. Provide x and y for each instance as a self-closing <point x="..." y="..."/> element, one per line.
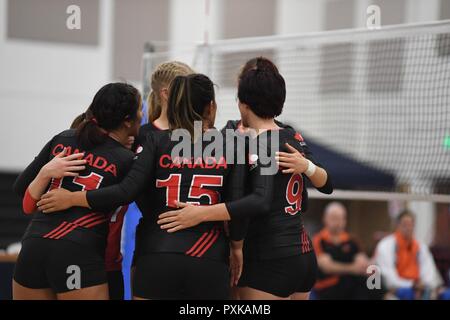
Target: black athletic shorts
<point x="281" y="277"/>
<point x="60" y="265"/>
<point x="115" y="285"/>
<point x="172" y="276"/>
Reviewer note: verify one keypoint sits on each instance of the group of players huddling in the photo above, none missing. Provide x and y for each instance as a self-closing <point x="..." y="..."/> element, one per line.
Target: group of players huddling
<point x="212" y="228"/>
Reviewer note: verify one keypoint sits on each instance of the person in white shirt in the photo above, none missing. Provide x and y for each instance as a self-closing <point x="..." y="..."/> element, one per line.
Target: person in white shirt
<point x="406" y="264"/>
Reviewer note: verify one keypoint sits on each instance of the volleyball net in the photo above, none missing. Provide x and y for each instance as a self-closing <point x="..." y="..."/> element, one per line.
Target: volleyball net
<point x="375" y="104"/>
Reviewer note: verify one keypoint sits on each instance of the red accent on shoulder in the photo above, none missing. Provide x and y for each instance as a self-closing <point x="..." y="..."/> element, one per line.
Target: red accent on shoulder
<point x="298" y="137"/>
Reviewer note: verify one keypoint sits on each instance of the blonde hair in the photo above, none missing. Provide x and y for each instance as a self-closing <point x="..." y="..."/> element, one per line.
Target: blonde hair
<point x="162" y="77"/>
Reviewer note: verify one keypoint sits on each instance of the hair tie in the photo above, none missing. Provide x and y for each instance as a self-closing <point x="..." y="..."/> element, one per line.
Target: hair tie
<point x="94" y="120"/>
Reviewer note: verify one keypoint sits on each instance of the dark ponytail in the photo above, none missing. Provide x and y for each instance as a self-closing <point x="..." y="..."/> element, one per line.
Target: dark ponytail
<point x="188" y="98"/>
<point x="112" y="105"/>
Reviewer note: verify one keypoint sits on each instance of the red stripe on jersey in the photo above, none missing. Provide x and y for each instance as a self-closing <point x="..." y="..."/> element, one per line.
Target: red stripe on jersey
<point x="96" y="223"/>
<point x="209" y="244"/>
<point x="200" y="247"/>
<point x="85" y="217"/>
<point x="303" y="242"/>
<point x="69" y="224"/>
<point x="62" y="233"/>
<point x="306" y="245"/>
<point x="197" y="243"/>
<point x="65" y="225"/>
<point x="55" y="230"/>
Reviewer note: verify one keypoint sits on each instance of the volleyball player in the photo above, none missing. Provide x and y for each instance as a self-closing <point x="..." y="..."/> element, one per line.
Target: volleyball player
<point x="157" y="100"/>
<point x="160" y="81"/>
<point x="61" y="166"/>
<point x="74" y="241"/>
<point x="279" y="258"/>
<point x="113" y="253"/>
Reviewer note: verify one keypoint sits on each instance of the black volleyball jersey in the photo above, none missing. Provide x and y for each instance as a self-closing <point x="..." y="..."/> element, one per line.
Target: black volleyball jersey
<point x="277" y="230"/>
<point x="145" y="129"/>
<point x="106" y="165"/>
<point x="158" y="178"/>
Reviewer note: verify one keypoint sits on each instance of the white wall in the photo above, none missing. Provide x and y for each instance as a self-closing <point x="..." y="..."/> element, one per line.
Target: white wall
<point x="43" y="86"/>
<point x="188" y="22"/>
<point x="295" y="16"/>
<point x="422" y="11"/>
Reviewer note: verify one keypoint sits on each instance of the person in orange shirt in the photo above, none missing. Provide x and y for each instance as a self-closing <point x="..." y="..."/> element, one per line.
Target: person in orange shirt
<point x="342" y="264"/>
<point x="406" y="264"/>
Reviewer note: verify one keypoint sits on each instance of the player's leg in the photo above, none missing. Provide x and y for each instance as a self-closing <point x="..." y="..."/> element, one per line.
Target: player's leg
<point x="247" y="293"/>
<point x="30" y="281"/>
<point x="99" y="292"/>
<point x="300" y="296"/>
<point x="235" y="293"/>
<point x="23" y="293"/>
